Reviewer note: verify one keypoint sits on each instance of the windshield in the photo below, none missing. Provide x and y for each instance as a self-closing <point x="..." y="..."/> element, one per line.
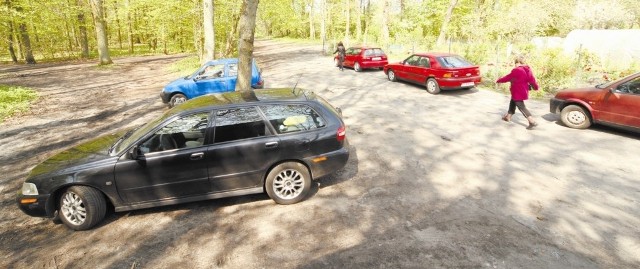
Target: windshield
<point x="608" y="84"/>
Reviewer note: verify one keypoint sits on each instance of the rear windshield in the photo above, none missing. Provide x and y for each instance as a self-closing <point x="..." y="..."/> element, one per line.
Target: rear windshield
<point x="453" y="62"/>
<point x="373" y="52"/>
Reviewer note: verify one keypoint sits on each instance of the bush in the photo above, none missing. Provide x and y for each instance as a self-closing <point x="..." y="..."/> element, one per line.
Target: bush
<point x="15" y="99"/>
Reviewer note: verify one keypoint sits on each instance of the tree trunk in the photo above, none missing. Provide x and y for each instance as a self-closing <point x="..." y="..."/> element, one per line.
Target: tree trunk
<point x="12" y="52"/>
<point x="348" y="20"/>
<point x="312" y="29"/>
<point x="385" y="24"/>
<point x="232" y="34"/>
<point x="323" y="30"/>
<point x="445" y="22"/>
<point x="209" y="31"/>
<point x="129" y="26"/>
<point x="101" y="33"/>
<point x="82" y="27"/>
<point x="246" y="28"/>
<point x="359" y="20"/>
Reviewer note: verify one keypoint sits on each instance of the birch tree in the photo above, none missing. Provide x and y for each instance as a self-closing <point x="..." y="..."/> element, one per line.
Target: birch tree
<point x="246" y="27"/>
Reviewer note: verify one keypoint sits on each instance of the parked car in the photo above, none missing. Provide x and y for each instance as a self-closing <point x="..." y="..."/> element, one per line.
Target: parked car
<point x="360" y="58"/>
<point x="213" y="77"/>
<point x="615" y="103"/>
<point x="213" y="146"/>
<point x="436" y="71"/>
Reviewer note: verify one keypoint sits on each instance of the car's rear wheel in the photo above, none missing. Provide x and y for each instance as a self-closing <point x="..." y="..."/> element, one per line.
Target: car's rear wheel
<point x="575" y="116"/>
<point x="177" y="99"/>
<point x="432" y="86"/>
<point x="391" y="75"/>
<point x="81" y="208"/>
<point x="288" y="183"/>
<point x="356" y="67"/>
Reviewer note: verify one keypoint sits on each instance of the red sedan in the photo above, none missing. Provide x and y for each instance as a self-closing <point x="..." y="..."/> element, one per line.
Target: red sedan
<point x="437" y="71"/>
<point x="615" y="103"/>
<point x="360" y="58"/>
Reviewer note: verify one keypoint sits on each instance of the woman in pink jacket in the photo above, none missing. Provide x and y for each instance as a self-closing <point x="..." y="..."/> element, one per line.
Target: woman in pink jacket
<point x="520" y="77"/>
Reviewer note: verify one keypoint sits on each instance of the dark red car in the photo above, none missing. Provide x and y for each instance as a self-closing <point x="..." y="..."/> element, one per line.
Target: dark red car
<point x="614" y="103"/>
<point x="360" y="58"/>
<point x="436" y="71"/>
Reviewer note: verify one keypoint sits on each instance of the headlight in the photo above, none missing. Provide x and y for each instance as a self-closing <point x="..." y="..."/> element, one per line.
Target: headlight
<point x="29" y="189"/>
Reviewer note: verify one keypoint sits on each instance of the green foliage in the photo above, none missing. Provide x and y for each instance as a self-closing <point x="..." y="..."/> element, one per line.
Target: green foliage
<point x="14" y="100"/>
<point x="185" y="66"/>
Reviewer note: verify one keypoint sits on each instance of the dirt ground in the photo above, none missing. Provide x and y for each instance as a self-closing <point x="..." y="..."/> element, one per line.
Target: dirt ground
<point x="434" y="181"/>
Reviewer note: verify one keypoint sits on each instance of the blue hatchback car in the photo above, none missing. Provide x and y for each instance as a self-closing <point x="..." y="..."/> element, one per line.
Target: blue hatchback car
<point x="215" y="76"/>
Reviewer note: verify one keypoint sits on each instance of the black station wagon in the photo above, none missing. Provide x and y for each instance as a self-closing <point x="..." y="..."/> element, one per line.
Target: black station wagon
<point x="274" y="141"/>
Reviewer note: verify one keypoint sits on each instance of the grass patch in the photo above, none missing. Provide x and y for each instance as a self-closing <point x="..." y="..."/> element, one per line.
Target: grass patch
<point x="185" y="66"/>
<point x="15" y="99"/>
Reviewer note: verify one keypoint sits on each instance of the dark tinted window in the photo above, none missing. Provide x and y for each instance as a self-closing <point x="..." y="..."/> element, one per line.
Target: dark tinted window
<point x="632" y="86"/>
<point x="453" y="62"/>
<point x="413" y="60"/>
<point x="292" y="118"/>
<point x="238" y="123"/>
<point x="184" y="132"/>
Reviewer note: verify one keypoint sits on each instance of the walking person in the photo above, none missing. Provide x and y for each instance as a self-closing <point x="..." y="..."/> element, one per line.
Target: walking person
<point x="341" y="53"/>
<point x="522" y="80"/>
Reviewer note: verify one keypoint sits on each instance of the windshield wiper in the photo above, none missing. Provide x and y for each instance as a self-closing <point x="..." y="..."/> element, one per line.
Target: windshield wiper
<point x="120" y="140"/>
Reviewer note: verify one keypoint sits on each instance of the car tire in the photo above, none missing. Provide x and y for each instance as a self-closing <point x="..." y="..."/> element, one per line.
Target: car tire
<point x="288" y="183"/>
<point x="576" y="117"/>
<point x="356" y="67"/>
<point x="177" y="99"/>
<point x="432" y="86"/>
<point x="391" y="75"/>
<point x="81" y="207"/>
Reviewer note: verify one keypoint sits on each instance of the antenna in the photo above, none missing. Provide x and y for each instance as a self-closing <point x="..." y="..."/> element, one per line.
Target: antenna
<point x="296" y="85"/>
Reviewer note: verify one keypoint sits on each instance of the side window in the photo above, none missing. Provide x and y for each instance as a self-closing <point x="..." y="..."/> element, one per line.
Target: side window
<point x="233" y="70"/>
<point x="424" y="62"/>
<point x="632" y="86"/>
<point x="349" y="51"/>
<point x="356" y="51"/>
<point x="369" y="53"/>
<point x="413" y="60"/>
<point x="238" y="123"/>
<point x="212" y="71"/>
<point x="292" y="118"/>
<point x="184" y="132"/>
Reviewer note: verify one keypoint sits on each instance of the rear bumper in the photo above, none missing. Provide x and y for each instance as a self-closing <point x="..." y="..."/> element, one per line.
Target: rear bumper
<point x="556" y="105"/>
<point x="325" y="164"/>
<point x="459" y="83"/>
<point x="373" y="64"/>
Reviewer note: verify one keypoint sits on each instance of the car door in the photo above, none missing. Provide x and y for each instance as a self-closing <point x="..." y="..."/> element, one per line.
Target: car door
<point x="231" y="76"/>
<point x="170" y="163"/>
<point x="243" y="149"/>
<point x="621" y="105"/>
<point x="413" y="69"/>
<point x="348" y="56"/>
<point x="211" y="80"/>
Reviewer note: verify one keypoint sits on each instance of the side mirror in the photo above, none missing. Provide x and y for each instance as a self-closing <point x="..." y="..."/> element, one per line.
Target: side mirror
<point x="135" y="153"/>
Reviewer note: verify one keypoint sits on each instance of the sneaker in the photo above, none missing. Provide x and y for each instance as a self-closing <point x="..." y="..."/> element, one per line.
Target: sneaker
<point x="531" y="125"/>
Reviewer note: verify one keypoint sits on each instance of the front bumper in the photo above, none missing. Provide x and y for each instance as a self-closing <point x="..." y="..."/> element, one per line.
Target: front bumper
<point x="165" y="96"/>
<point x="556" y="105"/>
<point x="37" y="208"/>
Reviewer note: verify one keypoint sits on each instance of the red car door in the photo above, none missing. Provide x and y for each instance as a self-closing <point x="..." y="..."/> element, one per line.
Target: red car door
<point x="409" y="68"/>
<point x="621" y="105"/>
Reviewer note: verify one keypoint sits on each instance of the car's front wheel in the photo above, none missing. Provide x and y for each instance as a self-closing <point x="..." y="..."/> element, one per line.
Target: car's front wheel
<point x="177" y="99"/>
<point x="356" y="67"/>
<point x="432" y="86"/>
<point x="81" y="207"/>
<point x="288" y="183"/>
<point x="391" y="75"/>
<point x="575" y="116"/>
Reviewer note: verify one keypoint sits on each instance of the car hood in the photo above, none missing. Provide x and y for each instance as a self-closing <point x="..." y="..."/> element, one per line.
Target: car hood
<point x="79" y="157"/>
<point x="177" y="83"/>
<point x="579" y="93"/>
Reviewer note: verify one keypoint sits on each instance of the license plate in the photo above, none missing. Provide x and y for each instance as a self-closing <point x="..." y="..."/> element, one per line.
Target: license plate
<point x="376" y="59"/>
<point x="467" y="84"/>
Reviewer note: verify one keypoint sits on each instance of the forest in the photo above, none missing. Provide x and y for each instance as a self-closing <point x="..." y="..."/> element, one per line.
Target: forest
<point x="54" y="30"/>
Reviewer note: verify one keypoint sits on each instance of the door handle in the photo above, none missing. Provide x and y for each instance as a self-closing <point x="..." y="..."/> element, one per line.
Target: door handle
<point x="197" y="156"/>
<point x="271" y="145"/>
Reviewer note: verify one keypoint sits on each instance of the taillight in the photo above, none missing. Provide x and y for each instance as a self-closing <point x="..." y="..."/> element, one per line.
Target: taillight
<point x="342" y="133"/>
<point x="447" y="75"/>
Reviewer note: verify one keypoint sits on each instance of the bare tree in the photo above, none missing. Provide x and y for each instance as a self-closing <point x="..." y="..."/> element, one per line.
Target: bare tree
<point x="101" y="32"/>
<point x="209" y="32"/>
<point x="247" y="27"/>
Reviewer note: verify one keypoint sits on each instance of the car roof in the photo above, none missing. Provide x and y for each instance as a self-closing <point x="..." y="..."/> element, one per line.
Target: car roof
<point x="223" y="60"/>
<point x="243" y="97"/>
<point x="435" y="54"/>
